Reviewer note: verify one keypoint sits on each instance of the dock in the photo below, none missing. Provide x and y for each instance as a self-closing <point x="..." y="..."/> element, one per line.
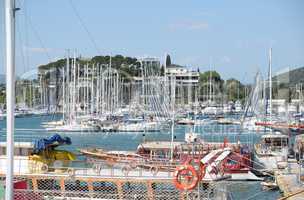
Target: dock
<point x="290" y="181"/>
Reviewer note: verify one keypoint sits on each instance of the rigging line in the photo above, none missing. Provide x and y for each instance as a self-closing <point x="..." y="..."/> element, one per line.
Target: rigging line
<point x="26" y="25"/>
<point x="2" y="54"/>
<point x="45" y="50"/>
<point x="254" y="162"/>
<point x="19" y="36"/>
<point x="25" y="55"/>
<point x="84" y="27"/>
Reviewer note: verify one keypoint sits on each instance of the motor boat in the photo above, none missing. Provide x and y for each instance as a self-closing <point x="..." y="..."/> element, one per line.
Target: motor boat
<point x="271" y="151"/>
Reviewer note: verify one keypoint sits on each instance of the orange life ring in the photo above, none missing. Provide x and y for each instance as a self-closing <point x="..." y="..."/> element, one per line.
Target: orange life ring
<point x="188" y="173"/>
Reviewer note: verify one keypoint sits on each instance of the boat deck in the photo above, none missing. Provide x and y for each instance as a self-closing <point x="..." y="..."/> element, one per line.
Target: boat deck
<point x="289" y="182"/>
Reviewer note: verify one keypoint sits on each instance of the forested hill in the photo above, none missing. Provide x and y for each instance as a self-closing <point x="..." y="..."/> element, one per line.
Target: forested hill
<point x="127" y="64"/>
<point x="291" y="77"/>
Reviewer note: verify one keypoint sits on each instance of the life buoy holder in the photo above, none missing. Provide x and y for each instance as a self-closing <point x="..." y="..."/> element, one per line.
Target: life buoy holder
<point x="154" y="170"/>
<point x="190" y="176"/>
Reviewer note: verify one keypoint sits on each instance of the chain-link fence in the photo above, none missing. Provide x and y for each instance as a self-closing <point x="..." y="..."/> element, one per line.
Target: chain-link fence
<point x="39" y="187"/>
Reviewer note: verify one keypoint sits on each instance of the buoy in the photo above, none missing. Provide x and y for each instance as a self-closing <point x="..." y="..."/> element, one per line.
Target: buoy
<point x="125" y="170"/>
<point x="154" y="170"/>
<point x="97" y="168"/>
<point x="185" y="177"/>
<point x="44" y="168"/>
<point x="71" y="172"/>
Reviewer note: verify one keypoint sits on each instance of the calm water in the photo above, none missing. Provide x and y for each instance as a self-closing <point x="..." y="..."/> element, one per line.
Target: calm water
<point x="30" y="129"/>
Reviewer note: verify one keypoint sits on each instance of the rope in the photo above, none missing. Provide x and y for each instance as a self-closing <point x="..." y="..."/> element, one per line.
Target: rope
<point x="253" y="162"/>
<point x="84" y="26"/>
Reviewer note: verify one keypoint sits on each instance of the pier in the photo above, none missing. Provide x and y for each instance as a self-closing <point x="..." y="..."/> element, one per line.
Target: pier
<point x="290" y="181"/>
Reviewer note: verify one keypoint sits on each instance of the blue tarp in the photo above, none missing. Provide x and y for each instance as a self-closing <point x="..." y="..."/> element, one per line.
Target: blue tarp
<point x="56" y="139"/>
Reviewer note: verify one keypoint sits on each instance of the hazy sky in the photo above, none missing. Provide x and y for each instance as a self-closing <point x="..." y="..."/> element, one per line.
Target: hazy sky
<point x="234" y="34"/>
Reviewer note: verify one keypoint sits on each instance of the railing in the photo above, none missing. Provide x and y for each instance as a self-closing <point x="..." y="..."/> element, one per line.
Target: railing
<point x="59" y="188"/>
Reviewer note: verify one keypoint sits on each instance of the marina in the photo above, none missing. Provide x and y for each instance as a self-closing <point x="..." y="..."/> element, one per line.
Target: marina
<point x="105" y="126"/>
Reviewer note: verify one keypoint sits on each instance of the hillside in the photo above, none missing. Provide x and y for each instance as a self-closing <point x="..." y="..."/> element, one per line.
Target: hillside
<point x="291" y="78"/>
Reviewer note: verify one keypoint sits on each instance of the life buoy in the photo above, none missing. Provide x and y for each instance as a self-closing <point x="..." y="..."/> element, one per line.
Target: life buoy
<point x="125" y="170"/>
<point x="71" y="172"/>
<point x="44" y="168"/>
<point x="97" y="168"/>
<point x="154" y="170"/>
<point x="185" y="177"/>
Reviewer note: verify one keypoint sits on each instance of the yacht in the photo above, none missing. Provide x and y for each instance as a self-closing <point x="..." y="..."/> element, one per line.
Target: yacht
<point x="139" y="127"/>
<point x="74" y="127"/>
<point x="271" y="151"/>
<point x="212" y="110"/>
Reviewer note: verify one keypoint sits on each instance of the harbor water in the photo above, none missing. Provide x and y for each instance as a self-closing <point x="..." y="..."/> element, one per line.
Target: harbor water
<point x="30" y="129"/>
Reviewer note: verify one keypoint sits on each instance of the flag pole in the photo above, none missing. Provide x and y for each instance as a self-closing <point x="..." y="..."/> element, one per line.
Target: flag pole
<point x="10" y="94"/>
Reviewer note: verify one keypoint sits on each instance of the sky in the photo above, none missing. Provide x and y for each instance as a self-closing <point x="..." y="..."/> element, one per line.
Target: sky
<point x="232" y="36"/>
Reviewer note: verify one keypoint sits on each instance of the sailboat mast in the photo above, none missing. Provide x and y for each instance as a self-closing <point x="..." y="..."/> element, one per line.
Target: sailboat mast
<point x="270" y="83"/>
<point x="210" y="83"/>
<point x="74" y="86"/>
<point x="68" y="86"/>
<point x="10" y="93"/>
<point x="173" y="79"/>
<point x="63" y="94"/>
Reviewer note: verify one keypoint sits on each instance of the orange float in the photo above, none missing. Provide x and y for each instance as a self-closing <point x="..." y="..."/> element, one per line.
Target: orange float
<point x="186" y="177"/>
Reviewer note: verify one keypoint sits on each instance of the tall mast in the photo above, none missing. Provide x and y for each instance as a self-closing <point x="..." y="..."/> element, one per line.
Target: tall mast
<point x="92" y="88"/>
<point x="77" y="88"/>
<point x="74" y="86"/>
<point x="173" y="81"/>
<point x="210" y="86"/>
<point x="270" y="83"/>
<point x="68" y="86"/>
<point x="63" y="94"/>
<point x="10" y="93"/>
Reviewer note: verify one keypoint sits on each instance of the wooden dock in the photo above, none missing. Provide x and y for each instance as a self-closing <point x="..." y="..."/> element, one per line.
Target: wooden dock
<point x="289" y="182"/>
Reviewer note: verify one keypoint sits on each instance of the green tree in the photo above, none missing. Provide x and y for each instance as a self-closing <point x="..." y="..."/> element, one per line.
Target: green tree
<point x="235" y="90"/>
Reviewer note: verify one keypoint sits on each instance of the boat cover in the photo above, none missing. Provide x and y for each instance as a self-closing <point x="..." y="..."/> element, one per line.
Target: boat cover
<point x="55" y="140"/>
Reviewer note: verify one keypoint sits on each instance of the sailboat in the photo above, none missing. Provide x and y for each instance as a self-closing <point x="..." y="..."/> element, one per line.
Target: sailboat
<point x="273" y="147"/>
